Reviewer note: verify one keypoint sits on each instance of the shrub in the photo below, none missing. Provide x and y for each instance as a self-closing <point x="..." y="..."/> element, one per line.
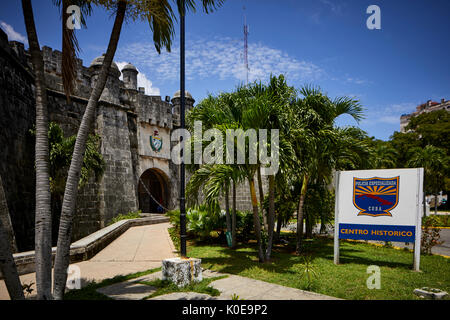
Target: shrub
<point x="174" y="218"/>
<point x="200" y="222"/>
<point x="430" y="234"/>
<point x="438" y="221"/>
<point x="244" y="225"/>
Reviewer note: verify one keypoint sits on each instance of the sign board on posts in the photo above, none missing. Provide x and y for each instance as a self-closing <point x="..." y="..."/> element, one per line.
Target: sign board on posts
<point x="381" y="204"/>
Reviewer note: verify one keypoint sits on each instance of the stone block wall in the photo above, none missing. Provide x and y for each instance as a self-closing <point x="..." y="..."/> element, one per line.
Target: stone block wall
<point x="119" y="180"/>
<point x="17" y="116"/>
<point x="243" y="198"/>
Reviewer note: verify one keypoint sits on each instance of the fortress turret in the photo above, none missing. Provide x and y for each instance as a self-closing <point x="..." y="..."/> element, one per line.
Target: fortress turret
<point x="112" y="88"/>
<point x="176" y="101"/>
<point x="130" y="73"/>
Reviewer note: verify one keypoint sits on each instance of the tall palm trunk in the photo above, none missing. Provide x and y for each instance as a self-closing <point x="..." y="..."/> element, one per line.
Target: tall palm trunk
<point x="227" y="208"/>
<point x="43" y="217"/>
<point x="70" y="193"/>
<point x="7" y="264"/>
<point x="256" y="220"/>
<point x="323" y="228"/>
<point x="261" y="198"/>
<point x="301" y="202"/>
<point x="309" y="226"/>
<point x="5" y="218"/>
<point x="271" y="216"/>
<point x="435" y="203"/>
<point x="279" y="223"/>
<point x="233" y="218"/>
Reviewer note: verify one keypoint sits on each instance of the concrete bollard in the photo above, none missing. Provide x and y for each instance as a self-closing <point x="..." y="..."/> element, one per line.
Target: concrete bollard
<point x="182" y="271"/>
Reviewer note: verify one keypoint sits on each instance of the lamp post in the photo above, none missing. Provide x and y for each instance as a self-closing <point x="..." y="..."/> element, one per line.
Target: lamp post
<point x="182" y="111"/>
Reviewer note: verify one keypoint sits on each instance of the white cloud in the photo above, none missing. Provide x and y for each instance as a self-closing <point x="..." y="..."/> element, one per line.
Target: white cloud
<point x="356" y="80"/>
<point x="389" y="114"/>
<point x="220" y="58"/>
<point x="13" y="35"/>
<point x="390" y="119"/>
<point x="142" y="81"/>
<point x="336" y="8"/>
<point x="405" y="107"/>
<point x="147" y="84"/>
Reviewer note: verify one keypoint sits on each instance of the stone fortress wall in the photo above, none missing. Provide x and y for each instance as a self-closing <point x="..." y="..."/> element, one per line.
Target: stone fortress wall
<point x="126" y="118"/>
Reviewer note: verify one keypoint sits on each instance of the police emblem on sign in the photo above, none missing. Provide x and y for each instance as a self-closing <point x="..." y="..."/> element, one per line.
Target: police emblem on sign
<point x="156" y="142"/>
<point x="375" y="196"/>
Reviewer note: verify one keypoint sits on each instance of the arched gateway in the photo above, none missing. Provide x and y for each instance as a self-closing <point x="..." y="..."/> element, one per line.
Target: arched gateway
<point x="153" y="191"/>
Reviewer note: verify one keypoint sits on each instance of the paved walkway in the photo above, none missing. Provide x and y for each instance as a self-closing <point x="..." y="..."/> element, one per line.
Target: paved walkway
<point x="244" y="288"/>
<point x="142" y="248"/>
<point x="138" y="249"/>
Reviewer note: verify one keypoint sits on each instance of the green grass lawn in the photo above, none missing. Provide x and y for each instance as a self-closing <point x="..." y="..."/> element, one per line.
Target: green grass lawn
<point x="347" y="280"/>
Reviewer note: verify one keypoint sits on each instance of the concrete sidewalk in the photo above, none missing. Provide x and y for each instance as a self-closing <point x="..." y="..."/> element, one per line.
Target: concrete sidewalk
<point x="232" y="285"/>
<point x="138" y="249"/>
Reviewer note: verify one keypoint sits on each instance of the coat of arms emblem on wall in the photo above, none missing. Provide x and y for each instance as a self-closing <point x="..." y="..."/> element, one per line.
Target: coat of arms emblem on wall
<point x="156" y="142"/>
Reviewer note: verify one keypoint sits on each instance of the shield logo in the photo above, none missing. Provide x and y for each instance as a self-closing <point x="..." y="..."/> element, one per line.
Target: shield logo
<point x="375" y="196"/>
<point x="156" y="142"/>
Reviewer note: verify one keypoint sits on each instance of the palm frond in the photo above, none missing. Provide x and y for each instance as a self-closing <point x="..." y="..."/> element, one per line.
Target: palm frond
<point x="350" y="106"/>
<point x="70" y="46"/>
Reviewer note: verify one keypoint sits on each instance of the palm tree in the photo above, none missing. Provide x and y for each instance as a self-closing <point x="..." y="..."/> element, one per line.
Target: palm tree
<point x="230" y="111"/>
<point x="70" y="193"/>
<point x="385" y="156"/>
<point x="215" y="181"/>
<point x="264" y="107"/>
<point x="435" y="162"/>
<point x="315" y="116"/>
<point x="255" y="106"/>
<point x="43" y="216"/>
<point x="160" y="16"/>
<point x="222" y="112"/>
<point x="7" y="264"/>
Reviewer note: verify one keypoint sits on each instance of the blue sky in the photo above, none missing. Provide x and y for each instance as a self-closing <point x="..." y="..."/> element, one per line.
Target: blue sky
<point x="319" y="42"/>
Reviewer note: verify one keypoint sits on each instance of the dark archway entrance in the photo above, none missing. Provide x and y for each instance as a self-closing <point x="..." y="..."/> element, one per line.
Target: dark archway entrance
<point x="153" y="191"/>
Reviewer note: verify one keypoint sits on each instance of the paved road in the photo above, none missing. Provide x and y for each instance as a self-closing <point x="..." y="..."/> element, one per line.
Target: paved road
<point x="445" y="236"/>
<point x="442" y="249"/>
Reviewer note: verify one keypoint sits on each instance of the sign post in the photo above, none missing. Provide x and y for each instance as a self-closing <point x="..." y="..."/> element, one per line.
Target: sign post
<point x="380" y="205"/>
<point x="419" y="215"/>
<point x="336" y="218"/>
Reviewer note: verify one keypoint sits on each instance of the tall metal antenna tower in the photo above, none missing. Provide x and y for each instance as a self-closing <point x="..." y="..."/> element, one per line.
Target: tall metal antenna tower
<point x="246" y="47"/>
